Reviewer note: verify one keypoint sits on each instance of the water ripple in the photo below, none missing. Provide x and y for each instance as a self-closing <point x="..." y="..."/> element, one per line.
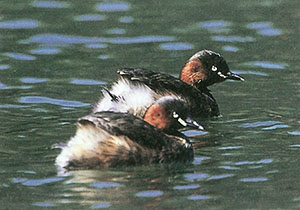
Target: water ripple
<point x="267" y="65"/>
<point x="89" y="17"/>
<point x="270" y="32"/>
<point x="51" y="4"/>
<point x="186" y="187"/>
<point x="259" y="124"/>
<point x="105" y="185"/>
<point x="230" y="48"/>
<point x="199" y="160"/>
<point x="19" y="24"/>
<point x="230" y="147"/>
<point x="20" y="56"/>
<point x="276" y="127"/>
<point x="33" y="80"/>
<point x="46" y="51"/>
<point x="4" y="67"/>
<point x="222" y="176"/>
<point x="45" y="204"/>
<point x="126" y="19"/>
<point x="196" y="176"/>
<point x="141" y="39"/>
<point x="37" y="182"/>
<point x="264" y="28"/>
<point x="4" y="87"/>
<point x="215" y="26"/>
<point x="46" y="100"/>
<point x="199" y="197"/>
<point x="252" y="73"/>
<point x="116" y="31"/>
<point x="194" y="133"/>
<point x="257" y="179"/>
<point x="87" y="82"/>
<point x="150" y="193"/>
<point x="57" y="39"/>
<point x="176" y="46"/>
<point x="295" y="133"/>
<point x="113" y="7"/>
<point x="101" y="205"/>
<point x="229" y="167"/>
<point x="233" y="39"/>
<point x="96" y="46"/>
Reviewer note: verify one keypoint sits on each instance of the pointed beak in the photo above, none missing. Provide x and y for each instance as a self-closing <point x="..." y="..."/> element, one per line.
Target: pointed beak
<point x="190" y="123"/>
<point x="234" y="76"/>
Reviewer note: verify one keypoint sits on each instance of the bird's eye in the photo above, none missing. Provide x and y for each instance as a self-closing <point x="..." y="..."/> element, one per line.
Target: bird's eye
<point x="175" y="115"/>
<point x="214" y="68"/>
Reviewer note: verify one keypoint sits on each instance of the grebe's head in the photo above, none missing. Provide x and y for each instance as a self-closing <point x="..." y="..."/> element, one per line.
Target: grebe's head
<point x="206" y="68"/>
<point x="170" y="114"/>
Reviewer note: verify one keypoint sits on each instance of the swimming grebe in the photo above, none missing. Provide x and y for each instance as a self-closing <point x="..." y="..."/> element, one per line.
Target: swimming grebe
<point x="111" y="139"/>
<point x="138" y="88"/>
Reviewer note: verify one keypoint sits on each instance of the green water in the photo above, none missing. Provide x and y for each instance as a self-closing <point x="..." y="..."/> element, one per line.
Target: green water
<point x="56" y="55"/>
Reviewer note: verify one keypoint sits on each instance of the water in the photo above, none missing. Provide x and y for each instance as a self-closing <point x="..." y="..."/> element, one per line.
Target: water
<point x="56" y="55"/>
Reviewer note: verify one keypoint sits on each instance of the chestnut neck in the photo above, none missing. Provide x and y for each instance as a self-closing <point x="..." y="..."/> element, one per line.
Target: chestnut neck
<point x="195" y="74"/>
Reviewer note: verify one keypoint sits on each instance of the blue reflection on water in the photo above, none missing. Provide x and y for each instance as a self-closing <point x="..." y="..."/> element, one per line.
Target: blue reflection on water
<point x="176" y="46"/>
<point x="222" y="176"/>
<point x="33" y="80"/>
<point x="45" y="204"/>
<point x="57" y="39"/>
<point x="152" y="193"/>
<point x="19" y="24"/>
<point x="101" y="206"/>
<point x="230" y="48"/>
<point x="265" y="28"/>
<point x="37" y="182"/>
<point x="96" y="46"/>
<point x="296" y="133"/>
<point x="90" y="17"/>
<point x="276" y="127"/>
<point x="51" y="4"/>
<point x="233" y="39"/>
<point x="230" y="147"/>
<point x="113" y="7"/>
<point x="46" y="100"/>
<point x="104" y="185"/>
<point x="46" y="51"/>
<point x="199" y="160"/>
<point x="259" y="124"/>
<point x="199" y="197"/>
<point x="4" y="67"/>
<point x="215" y="24"/>
<point x="267" y="65"/>
<point x="260" y="25"/>
<point x="257" y="179"/>
<point x="196" y="176"/>
<point x="20" y="56"/>
<point x="117" y="31"/>
<point x="4" y="87"/>
<point x="186" y="187"/>
<point x="87" y="82"/>
<point x="141" y="39"/>
<point x="270" y="32"/>
<point x="253" y="73"/>
<point x="104" y="57"/>
<point x="126" y="19"/>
